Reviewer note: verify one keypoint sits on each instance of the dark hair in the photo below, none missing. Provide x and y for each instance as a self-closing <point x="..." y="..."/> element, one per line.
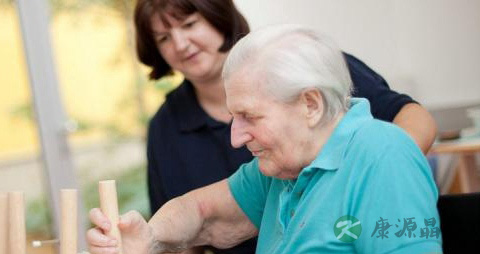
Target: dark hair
<point x="221" y="14"/>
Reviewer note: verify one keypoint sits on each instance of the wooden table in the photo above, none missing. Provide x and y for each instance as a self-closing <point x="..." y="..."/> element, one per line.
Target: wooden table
<point x="467" y="175"/>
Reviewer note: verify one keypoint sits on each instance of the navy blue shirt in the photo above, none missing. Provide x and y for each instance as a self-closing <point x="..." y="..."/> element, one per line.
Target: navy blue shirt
<point x="188" y="149"/>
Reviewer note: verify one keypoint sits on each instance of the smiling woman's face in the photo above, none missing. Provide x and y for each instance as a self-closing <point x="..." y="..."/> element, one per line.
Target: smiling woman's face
<point x="190" y="46"/>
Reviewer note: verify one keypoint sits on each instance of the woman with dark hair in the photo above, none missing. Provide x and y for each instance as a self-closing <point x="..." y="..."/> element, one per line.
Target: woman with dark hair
<point x="189" y="137"/>
<point x="221" y="15"/>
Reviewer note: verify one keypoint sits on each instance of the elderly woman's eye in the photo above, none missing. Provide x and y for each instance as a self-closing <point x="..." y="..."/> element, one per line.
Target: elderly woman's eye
<point x="250" y="117"/>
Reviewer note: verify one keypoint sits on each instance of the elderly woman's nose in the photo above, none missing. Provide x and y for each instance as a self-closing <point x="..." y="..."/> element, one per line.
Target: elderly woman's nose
<point x="239" y="134"/>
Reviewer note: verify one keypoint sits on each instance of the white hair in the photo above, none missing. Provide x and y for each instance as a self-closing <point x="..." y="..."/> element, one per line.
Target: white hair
<point x="290" y="59"/>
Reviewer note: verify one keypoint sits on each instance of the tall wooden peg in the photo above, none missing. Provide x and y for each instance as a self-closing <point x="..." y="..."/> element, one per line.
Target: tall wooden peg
<point x="17" y="230"/>
<point x="68" y="228"/>
<point x="109" y="206"/>
<point x="3" y="223"/>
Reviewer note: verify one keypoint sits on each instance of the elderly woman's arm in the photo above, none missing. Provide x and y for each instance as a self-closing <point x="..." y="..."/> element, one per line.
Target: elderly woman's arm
<point x="418" y="123"/>
<point x="204" y="216"/>
<point x="208" y="215"/>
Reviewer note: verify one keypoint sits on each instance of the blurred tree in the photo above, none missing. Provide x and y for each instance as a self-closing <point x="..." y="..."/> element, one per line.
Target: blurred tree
<point x="135" y="98"/>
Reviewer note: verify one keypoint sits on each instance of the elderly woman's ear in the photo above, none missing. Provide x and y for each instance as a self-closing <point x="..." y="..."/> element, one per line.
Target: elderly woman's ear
<point x="312" y="101"/>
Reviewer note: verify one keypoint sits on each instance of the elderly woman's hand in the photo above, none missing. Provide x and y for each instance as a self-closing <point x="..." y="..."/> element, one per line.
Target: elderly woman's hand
<point x="137" y="236"/>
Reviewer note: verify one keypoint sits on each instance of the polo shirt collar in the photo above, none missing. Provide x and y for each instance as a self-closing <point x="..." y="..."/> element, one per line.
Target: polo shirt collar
<point x="332" y="153"/>
<point x="188" y="112"/>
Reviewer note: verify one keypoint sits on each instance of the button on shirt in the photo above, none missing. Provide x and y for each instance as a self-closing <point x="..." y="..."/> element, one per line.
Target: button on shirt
<point x="368" y="169"/>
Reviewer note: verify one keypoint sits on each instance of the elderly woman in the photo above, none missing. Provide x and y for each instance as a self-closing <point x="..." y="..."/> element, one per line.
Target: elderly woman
<point x="192" y="126"/>
<point x="326" y="178"/>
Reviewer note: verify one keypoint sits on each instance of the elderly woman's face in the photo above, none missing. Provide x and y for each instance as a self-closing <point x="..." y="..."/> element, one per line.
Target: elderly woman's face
<point x="190" y="46"/>
<point x="273" y="131"/>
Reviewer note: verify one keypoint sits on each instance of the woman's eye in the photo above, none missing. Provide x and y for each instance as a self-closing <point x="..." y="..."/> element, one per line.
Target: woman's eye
<point x="189" y="24"/>
<point x="162" y="39"/>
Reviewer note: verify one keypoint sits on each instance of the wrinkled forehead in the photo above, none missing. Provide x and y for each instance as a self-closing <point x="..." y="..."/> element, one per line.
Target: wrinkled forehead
<point x="244" y="91"/>
<point x="241" y="80"/>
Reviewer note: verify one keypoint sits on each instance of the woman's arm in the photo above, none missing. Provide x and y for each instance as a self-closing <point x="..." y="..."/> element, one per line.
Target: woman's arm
<point x="208" y="215"/>
<point x="417" y="122"/>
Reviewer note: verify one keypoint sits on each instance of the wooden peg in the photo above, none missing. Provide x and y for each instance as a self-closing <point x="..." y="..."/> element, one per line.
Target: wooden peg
<point x="68" y="228"/>
<point x="16" y="215"/>
<point x="3" y="223"/>
<point x="109" y="206"/>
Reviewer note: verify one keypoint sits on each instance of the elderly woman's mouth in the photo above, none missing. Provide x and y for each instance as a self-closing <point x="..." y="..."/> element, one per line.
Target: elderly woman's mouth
<point x="257" y="153"/>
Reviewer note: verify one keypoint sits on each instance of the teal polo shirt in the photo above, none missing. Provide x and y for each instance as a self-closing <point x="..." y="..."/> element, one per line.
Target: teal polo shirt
<point x="368" y="169"/>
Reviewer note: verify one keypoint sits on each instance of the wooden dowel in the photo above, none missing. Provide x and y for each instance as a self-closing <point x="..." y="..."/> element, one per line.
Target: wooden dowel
<point x="16" y="215"/>
<point x="109" y="206"/>
<point x="68" y="228"/>
<point x="3" y="223"/>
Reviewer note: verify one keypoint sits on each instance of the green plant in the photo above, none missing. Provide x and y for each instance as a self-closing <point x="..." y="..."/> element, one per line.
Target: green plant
<point x="38" y="219"/>
<point x="131" y="192"/>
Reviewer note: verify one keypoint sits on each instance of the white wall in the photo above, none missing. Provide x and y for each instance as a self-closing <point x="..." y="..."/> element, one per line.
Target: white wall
<point x="429" y="49"/>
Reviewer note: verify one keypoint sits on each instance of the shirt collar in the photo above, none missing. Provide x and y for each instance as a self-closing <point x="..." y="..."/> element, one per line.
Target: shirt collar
<point x="186" y="109"/>
<point x="333" y="151"/>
